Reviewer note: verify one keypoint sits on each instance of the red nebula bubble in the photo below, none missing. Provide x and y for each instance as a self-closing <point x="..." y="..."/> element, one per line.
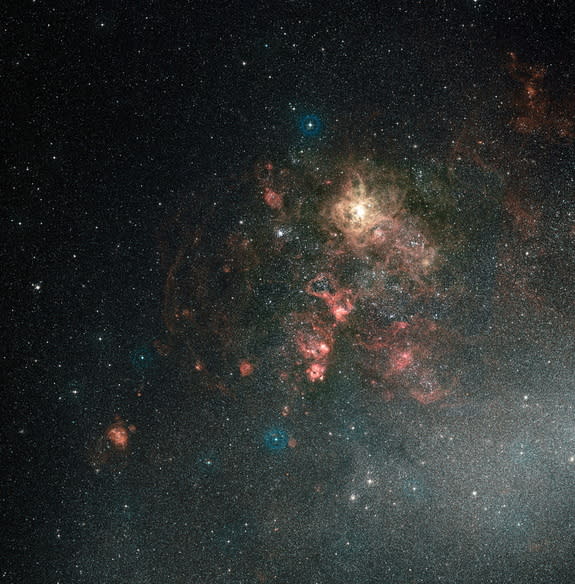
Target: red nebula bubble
<point x="273" y="199"/>
<point x="118" y="437"/>
<point x="314" y="342"/>
<point x="112" y="448"/>
<point x="338" y="300"/>
<point x="400" y="359"/>
<point x="316" y="371"/>
<point x="314" y="345"/>
<point x="340" y="305"/>
<point x="118" y="434"/>
<point x="246" y="368"/>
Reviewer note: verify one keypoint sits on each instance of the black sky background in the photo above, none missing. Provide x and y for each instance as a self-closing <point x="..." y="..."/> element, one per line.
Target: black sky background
<point x="112" y="115"/>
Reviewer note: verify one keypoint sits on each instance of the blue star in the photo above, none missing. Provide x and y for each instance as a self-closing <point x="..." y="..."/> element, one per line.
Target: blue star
<point x="310" y="125"/>
<point x="276" y="439"/>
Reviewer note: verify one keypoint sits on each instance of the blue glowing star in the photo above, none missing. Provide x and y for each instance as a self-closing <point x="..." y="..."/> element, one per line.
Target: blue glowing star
<point x="276" y="439"/>
<point x="310" y="125"/>
<point x="142" y="358"/>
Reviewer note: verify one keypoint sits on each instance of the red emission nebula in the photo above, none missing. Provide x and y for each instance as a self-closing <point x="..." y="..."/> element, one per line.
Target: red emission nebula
<point x="347" y="271"/>
<point x="307" y="273"/>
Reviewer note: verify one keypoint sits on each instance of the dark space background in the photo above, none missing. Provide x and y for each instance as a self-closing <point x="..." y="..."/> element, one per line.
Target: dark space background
<point x="124" y="125"/>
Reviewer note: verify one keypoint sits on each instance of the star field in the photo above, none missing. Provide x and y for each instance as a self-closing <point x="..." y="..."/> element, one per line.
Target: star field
<point x="287" y="292"/>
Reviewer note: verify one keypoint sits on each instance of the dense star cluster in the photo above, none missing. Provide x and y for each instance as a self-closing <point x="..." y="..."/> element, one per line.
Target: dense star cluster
<point x="288" y="293"/>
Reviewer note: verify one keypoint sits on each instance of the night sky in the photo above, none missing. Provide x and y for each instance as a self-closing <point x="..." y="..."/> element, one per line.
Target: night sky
<point x="288" y="292"/>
